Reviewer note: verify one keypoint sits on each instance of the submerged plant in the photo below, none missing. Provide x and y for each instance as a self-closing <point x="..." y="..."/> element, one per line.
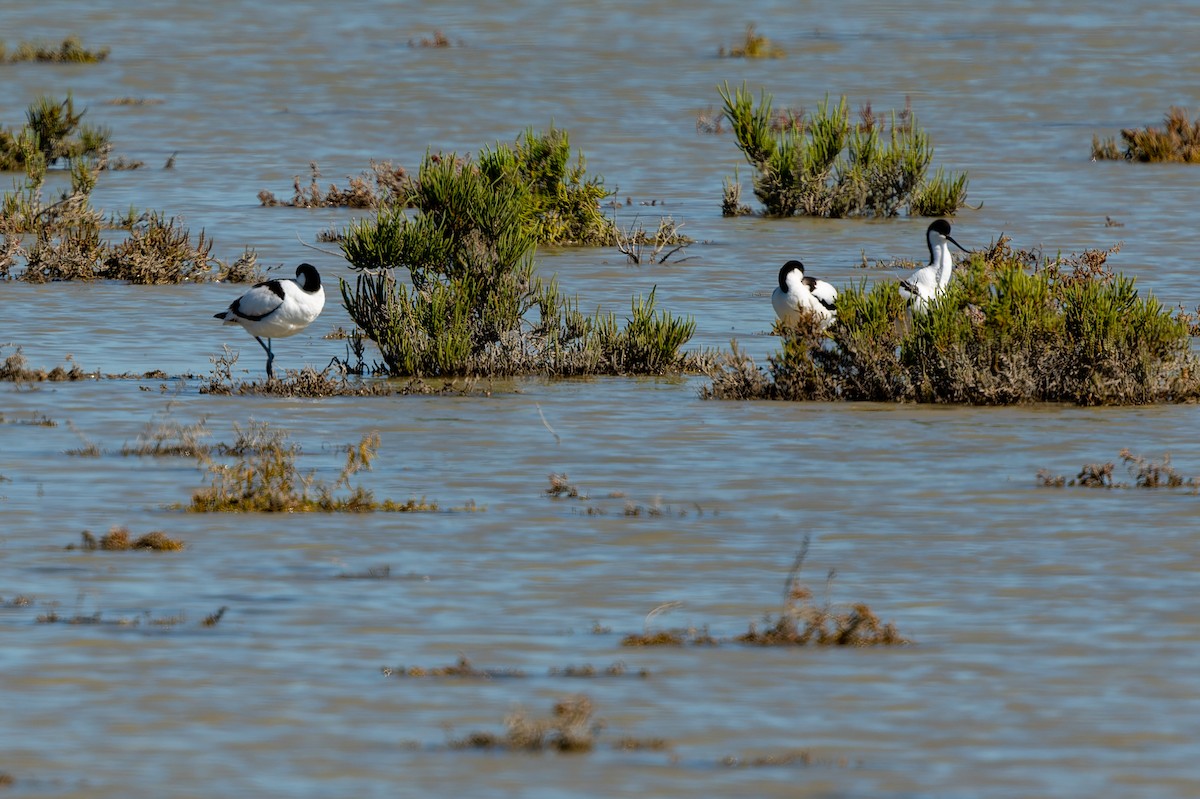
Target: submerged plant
<point x="71" y="50"/>
<point x="1178" y="140"/>
<point x="802" y="621"/>
<point x="119" y="539"/>
<point x="755" y="45"/>
<point x="266" y="479"/>
<point x="1146" y="473"/>
<point x="15" y="368"/>
<point x="1006" y="331"/>
<point x="570" y="728"/>
<point x="823" y="165"/>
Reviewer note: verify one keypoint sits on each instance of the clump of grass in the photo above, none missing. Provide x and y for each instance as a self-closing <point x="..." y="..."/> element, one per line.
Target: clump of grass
<point x="333" y="381"/>
<point x="383" y="184"/>
<point x="170" y="439"/>
<point x="1146" y="473"/>
<point x="473" y="304"/>
<point x="1005" y="332"/>
<point x="1178" y="141"/>
<point x="65" y="238"/>
<point x="823" y="165"/>
<point x="561" y="486"/>
<point x="71" y="50"/>
<point x="801" y="757"/>
<point x="53" y="130"/>
<point x="372" y="573"/>
<point x="16" y="369"/>
<point x="755" y="45"/>
<point x="119" y="539"/>
<point x="638" y="246"/>
<point x="267" y="479"/>
<point x="570" y="728"/>
<point x="588" y="671"/>
<point x="802" y="621"/>
<point x="461" y="668"/>
<point x="438" y="39"/>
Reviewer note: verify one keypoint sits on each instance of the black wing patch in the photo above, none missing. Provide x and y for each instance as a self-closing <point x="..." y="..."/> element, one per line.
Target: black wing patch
<point x="811" y="283"/>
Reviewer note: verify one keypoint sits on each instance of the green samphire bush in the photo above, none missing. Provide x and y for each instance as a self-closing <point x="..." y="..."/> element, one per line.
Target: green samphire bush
<point x="825" y="165"/>
<point x="467" y="300"/>
<point x="1006" y="331"/>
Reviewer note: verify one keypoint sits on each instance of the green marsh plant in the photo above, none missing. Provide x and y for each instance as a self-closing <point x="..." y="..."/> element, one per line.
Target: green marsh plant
<point x="1005" y="332"/>
<point x="451" y="289"/>
<point x="825" y="165"/>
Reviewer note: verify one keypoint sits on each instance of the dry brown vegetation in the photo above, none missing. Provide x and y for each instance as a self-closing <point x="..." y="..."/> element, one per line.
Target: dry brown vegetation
<point x="1178" y="140"/>
<point x="119" y="539"/>
<point x="384" y="183"/>
<point x="266" y="479"/>
<point x="801" y="622"/>
<point x="333" y="381"/>
<point x="570" y="728"/>
<point x="1146" y="473"/>
<point x="16" y="369"/>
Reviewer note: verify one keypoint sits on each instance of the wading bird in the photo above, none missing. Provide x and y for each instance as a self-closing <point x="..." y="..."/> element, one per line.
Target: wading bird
<point x="795" y="291"/>
<point x="930" y="281"/>
<point x="278" y="308"/>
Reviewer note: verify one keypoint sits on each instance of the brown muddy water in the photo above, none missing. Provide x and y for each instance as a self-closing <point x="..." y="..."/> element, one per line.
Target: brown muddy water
<point x="1054" y="632"/>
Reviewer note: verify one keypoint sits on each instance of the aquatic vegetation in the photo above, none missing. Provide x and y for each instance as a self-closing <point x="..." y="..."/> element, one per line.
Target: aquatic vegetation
<point x="170" y="439"/>
<point x="473" y="304"/>
<point x="570" y="728"/>
<point x="333" y="381"/>
<point x="65" y="238"/>
<point x="674" y="637"/>
<point x="267" y="479"/>
<point x="1146" y="473"/>
<point x="71" y="50"/>
<point x="119" y="539"/>
<point x="1178" y="141"/>
<point x="754" y="45"/>
<point x="560" y="486"/>
<point x="1007" y="331"/>
<point x="53" y="130"/>
<point x="823" y="165"/>
<point x="392" y="184"/>
<point x="633" y="242"/>
<point x="462" y="668"/>
<point x="438" y="39"/>
<point x="801" y="622"/>
<point x="16" y="369"/>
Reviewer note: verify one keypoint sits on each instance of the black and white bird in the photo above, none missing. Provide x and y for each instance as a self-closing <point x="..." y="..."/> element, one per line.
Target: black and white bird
<point x="278" y="308"/>
<point x="930" y="281"/>
<point x="796" y="291"/>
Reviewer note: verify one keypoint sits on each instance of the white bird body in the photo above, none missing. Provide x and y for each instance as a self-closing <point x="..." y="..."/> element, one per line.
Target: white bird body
<point x="928" y="282"/>
<point x="796" y="291"/>
<point x="278" y="308"/>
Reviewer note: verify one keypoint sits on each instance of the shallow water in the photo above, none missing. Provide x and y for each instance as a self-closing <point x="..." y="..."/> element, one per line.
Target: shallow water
<point x="1054" y="631"/>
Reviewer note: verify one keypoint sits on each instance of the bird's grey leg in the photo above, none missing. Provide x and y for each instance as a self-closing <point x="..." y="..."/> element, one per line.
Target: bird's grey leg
<point x="270" y="356"/>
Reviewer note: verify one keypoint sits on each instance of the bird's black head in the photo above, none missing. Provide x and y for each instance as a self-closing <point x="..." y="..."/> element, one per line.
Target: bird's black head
<point x="787" y="269"/>
<point x="939" y="226"/>
<point x="308" y="277"/>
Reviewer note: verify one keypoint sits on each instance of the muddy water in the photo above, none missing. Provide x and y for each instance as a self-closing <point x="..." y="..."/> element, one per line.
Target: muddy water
<point x="1054" y="632"/>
